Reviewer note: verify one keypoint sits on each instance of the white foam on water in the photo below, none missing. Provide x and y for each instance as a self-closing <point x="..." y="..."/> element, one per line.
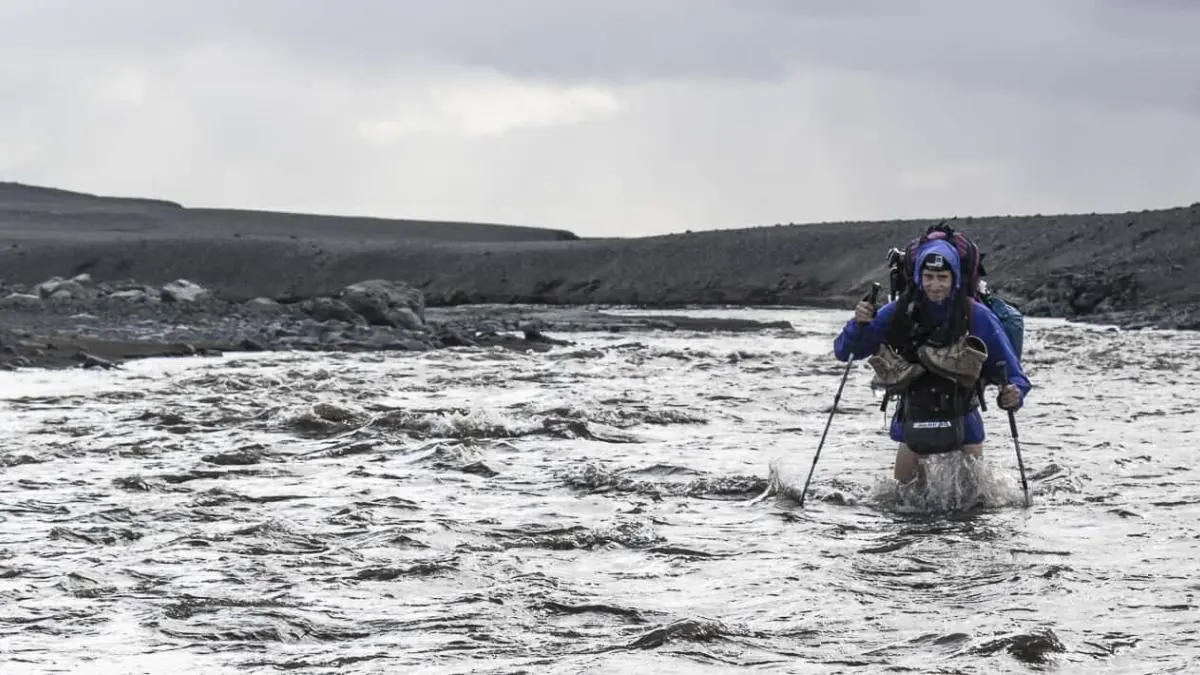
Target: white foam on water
<point x="497" y="517"/>
<point x="950" y="482"/>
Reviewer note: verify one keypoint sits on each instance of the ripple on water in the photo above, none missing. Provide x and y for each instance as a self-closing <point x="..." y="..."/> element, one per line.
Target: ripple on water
<point x="612" y="506"/>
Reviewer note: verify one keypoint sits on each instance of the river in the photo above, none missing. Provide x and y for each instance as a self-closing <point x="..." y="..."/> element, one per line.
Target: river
<point x="594" y="509"/>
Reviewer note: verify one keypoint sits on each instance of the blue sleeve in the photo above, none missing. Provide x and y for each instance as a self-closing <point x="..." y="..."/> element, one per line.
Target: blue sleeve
<point x="872" y="335"/>
<point x="986" y="327"/>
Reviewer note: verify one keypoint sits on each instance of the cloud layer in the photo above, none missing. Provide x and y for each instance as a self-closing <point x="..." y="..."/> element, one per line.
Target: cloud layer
<point x="616" y="118"/>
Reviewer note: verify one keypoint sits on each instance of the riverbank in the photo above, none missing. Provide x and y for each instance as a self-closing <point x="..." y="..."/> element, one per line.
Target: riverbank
<point x="77" y="322"/>
<point x="268" y="279"/>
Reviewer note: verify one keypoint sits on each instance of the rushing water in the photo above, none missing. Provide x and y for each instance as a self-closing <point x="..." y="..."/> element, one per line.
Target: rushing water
<point x="595" y="509"/>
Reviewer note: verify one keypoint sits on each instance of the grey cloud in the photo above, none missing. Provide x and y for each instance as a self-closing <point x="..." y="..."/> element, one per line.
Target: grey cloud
<point x="734" y="112"/>
<point x="1118" y="53"/>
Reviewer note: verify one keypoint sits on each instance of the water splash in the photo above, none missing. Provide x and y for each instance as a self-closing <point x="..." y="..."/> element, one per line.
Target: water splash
<point x="950" y="482"/>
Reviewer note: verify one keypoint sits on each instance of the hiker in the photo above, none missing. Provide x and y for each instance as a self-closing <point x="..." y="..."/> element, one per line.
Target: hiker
<point x="935" y="347"/>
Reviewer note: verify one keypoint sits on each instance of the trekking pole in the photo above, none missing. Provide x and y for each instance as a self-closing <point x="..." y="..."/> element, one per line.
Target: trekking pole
<point x="1012" y="427"/>
<point x="870" y="297"/>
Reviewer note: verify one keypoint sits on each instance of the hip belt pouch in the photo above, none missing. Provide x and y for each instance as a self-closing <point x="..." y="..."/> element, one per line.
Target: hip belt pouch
<point x="934" y="421"/>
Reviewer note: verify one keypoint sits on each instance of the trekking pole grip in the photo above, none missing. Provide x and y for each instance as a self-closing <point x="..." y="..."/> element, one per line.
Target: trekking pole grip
<point x="872" y="295"/>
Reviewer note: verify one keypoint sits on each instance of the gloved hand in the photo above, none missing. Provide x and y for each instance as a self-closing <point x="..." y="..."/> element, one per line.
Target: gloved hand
<point x="864" y="311"/>
<point x="1009" y="397"/>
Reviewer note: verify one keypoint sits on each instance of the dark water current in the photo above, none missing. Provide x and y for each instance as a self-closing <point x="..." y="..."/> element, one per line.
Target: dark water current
<point x="592" y="510"/>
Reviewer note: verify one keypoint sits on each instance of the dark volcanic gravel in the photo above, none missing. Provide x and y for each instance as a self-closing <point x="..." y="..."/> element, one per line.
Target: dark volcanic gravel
<point x="1132" y="269"/>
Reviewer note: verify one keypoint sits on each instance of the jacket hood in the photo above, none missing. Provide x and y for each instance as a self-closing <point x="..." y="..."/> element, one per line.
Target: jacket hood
<point x="947" y="251"/>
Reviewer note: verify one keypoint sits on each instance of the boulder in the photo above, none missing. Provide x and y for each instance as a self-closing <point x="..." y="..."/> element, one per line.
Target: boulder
<point x="386" y="303"/>
<point x="330" y="309"/>
<point x="263" y="305"/>
<point x="134" y="295"/>
<point x="182" y="290"/>
<point x="66" y="290"/>
<point x="21" y="301"/>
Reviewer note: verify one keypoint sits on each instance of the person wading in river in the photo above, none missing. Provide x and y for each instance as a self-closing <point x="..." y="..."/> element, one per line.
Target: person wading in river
<point x="935" y="347"/>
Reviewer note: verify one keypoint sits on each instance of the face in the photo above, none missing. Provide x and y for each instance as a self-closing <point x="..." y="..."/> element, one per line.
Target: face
<point x="936" y="284"/>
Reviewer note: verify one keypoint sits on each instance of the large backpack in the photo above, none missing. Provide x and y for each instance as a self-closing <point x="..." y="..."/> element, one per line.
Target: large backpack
<point x="900" y="262"/>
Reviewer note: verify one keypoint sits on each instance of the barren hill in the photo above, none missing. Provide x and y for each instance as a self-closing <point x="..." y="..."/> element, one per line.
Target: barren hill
<point x="1136" y="267"/>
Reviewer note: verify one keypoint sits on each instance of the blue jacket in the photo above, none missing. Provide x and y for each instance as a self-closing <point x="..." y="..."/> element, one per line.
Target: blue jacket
<point x="984" y="325"/>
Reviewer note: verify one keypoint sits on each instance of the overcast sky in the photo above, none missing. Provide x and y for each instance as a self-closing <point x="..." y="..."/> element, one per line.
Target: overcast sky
<point x="609" y="117"/>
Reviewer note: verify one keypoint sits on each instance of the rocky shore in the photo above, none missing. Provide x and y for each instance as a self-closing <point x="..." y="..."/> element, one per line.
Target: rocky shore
<point x="77" y="322"/>
<point x="93" y="280"/>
